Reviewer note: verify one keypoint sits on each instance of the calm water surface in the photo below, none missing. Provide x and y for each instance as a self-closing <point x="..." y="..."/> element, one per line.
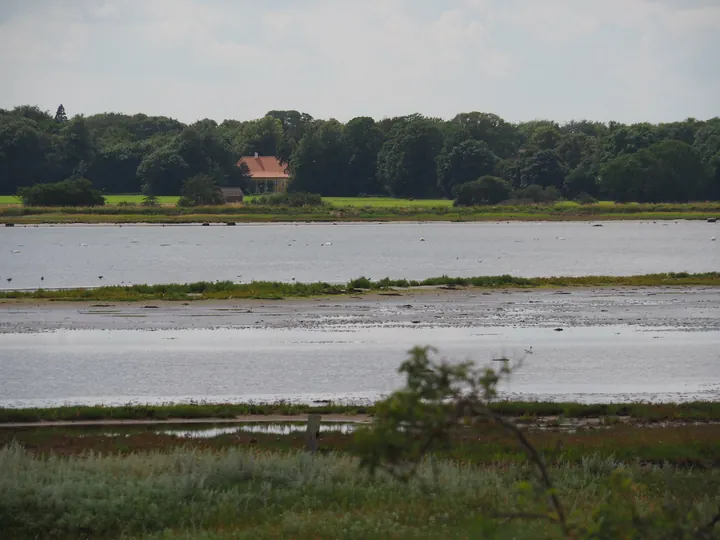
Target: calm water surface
<point x="611" y="363"/>
<point x="76" y="256"/>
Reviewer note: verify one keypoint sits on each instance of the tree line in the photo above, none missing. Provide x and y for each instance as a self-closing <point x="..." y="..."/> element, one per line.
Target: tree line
<point x="407" y="156"/>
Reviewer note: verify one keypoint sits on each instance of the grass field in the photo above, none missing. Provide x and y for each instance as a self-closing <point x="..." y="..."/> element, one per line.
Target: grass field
<point x="352" y="210"/>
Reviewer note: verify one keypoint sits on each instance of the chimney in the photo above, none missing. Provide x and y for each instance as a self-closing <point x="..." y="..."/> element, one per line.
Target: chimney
<point x="256" y="154"/>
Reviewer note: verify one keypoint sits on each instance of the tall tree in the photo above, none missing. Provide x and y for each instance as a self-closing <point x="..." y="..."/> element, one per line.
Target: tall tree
<point x="320" y="162"/>
<point x="501" y="137"/>
<point x="627" y="177"/>
<point x="682" y="176"/>
<point x="363" y="140"/>
<point x="407" y="161"/>
<point x="543" y="169"/>
<point x="60" y="115"/>
<point x="466" y="162"/>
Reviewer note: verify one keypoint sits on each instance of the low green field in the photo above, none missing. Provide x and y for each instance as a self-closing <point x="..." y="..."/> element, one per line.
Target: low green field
<point x="352" y="210"/>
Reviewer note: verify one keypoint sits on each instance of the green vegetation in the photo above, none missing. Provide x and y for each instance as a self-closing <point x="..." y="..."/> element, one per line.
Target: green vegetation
<point x="486" y="190"/>
<point x="359" y="209"/>
<point x="200" y="190"/>
<point x="289" y="200"/>
<point x="406" y="156"/>
<point x="242" y="493"/>
<point x="439" y="460"/>
<point x="75" y="192"/>
<point x="219" y="290"/>
<point x="701" y="411"/>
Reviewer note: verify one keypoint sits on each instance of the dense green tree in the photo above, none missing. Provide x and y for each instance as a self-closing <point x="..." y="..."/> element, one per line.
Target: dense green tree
<point x="581" y="180"/>
<point x="627" y="177"/>
<point x="407" y="161"/>
<point x="24" y="151"/>
<point x="501" y="137"/>
<point x="682" y="174"/>
<point x="713" y="185"/>
<point x="320" y="162"/>
<point x="294" y="126"/>
<point x="163" y="171"/>
<point x="200" y="190"/>
<point x="628" y="139"/>
<point x="76" y="147"/>
<point x="545" y="138"/>
<point x="466" y="162"/>
<point x="406" y="155"/>
<point x="363" y="140"/>
<point x="707" y="139"/>
<point x="486" y="190"/>
<point x="61" y="115"/>
<point x="114" y="168"/>
<point x="545" y="168"/>
<point x="585" y="127"/>
<point x="264" y="136"/>
<point x="72" y="192"/>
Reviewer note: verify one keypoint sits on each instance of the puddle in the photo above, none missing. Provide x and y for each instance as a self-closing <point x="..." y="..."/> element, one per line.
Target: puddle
<point x="267" y="429"/>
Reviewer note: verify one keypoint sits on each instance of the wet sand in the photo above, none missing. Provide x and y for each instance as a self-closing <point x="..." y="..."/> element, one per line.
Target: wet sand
<point x="686" y="308"/>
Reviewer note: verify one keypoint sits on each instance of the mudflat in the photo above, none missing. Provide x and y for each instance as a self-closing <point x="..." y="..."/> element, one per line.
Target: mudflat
<point x="687" y="308"/>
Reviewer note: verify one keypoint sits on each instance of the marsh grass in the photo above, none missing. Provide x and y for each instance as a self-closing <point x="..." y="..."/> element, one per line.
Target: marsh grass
<point x="219" y="290"/>
<point x="357" y="209"/>
<point x="236" y="493"/>
<point x="701" y="411"/>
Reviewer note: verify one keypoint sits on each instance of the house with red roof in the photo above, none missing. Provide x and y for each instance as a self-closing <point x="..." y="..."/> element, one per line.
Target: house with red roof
<point x="267" y="174"/>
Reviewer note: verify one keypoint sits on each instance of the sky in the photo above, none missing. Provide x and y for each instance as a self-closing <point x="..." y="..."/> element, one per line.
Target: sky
<point x="622" y="60"/>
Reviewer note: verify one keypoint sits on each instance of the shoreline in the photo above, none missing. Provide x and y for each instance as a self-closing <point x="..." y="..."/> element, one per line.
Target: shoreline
<point x="224" y="219"/>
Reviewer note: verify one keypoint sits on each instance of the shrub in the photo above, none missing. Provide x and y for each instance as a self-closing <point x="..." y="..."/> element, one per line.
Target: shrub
<point x="150" y="200"/>
<point x="584" y="198"/>
<point x="200" y="190"/>
<point x="295" y="200"/>
<point x="536" y="194"/>
<point x="486" y="190"/>
<point x="71" y="192"/>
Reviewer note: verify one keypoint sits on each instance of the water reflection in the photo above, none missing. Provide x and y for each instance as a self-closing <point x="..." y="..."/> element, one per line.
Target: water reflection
<point x="263" y="428"/>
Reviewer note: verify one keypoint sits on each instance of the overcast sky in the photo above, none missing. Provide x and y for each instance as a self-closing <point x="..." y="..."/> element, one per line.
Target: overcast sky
<point x="624" y="60"/>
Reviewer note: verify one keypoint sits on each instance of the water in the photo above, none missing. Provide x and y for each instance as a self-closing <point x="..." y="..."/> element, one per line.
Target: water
<point x="590" y="364"/>
<point x="205" y="432"/>
<point x="76" y="256"/>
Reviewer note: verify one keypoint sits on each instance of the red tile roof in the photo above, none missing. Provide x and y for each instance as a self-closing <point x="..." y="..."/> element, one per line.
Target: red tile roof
<point x="264" y="167"/>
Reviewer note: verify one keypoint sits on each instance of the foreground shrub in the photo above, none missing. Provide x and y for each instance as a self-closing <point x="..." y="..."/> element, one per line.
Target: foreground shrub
<point x="76" y="192"/>
<point x="439" y="397"/>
